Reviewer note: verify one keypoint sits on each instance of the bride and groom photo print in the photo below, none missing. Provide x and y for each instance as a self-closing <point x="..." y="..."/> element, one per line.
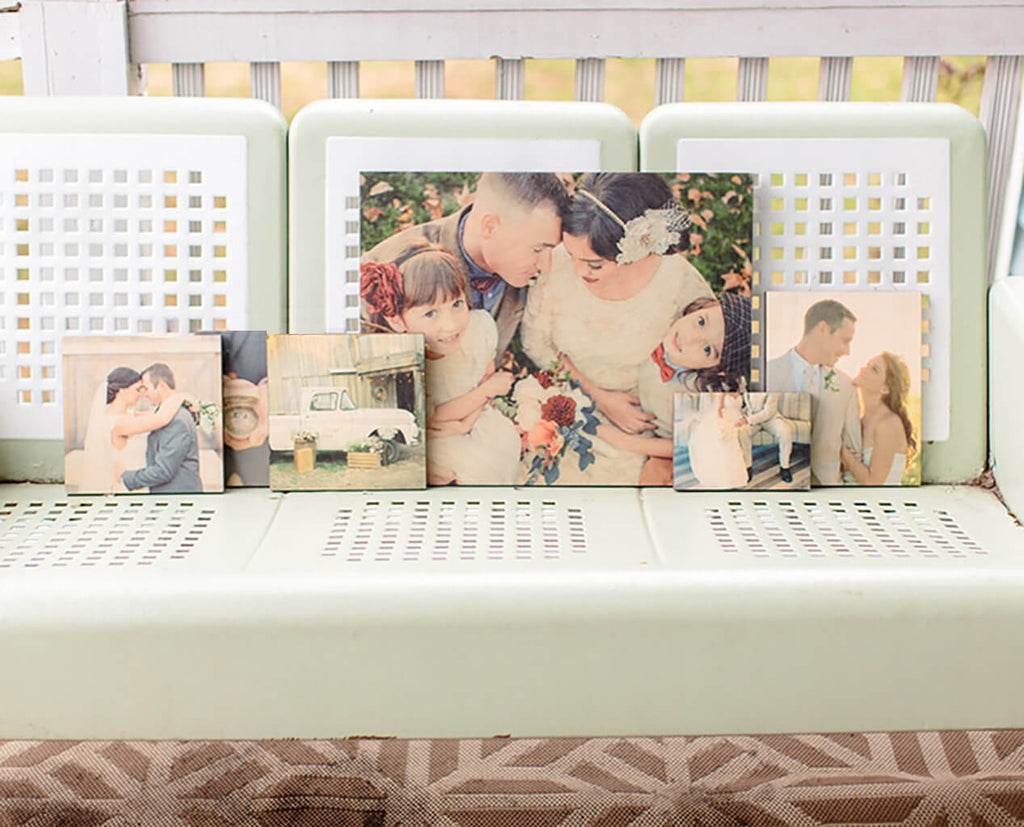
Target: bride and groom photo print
<point x="742" y="439"/>
<point x="561" y="313"/>
<point x="142" y="414"/>
<point x="858" y="355"/>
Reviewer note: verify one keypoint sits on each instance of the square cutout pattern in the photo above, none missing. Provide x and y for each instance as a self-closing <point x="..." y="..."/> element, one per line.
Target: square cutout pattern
<point x="851" y="214"/>
<point x="85" y="222"/>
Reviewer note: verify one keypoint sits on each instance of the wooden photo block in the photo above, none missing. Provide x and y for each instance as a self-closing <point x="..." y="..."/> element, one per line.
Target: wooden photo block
<point x="742" y="440"/>
<point x="560" y="313"/>
<point x="346" y="411"/>
<point x="142" y="414"/>
<point x="246" y="422"/>
<point x="859" y="355"/>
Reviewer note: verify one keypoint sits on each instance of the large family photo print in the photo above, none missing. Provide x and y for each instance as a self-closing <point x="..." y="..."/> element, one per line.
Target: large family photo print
<point x="560" y="313"/>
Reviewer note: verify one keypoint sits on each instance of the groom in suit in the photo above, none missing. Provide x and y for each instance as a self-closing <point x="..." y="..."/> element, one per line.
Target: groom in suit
<point x="502" y="240"/>
<point x="761" y="413"/>
<point x="809" y="366"/>
<point x="172" y="452"/>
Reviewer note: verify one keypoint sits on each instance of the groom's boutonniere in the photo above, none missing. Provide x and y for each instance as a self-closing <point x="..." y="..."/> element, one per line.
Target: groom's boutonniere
<point x="832" y="381"/>
<point x="205" y="414"/>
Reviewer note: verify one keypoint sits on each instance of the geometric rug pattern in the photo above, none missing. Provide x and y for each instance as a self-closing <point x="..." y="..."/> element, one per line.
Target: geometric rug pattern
<point x="917" y="779"/>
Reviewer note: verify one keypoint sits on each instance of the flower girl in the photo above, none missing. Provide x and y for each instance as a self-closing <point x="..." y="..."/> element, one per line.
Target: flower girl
<point x="469" y="441"/>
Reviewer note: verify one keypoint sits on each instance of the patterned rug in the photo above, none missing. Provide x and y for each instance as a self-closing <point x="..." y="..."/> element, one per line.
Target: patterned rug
<point x="919" y="779"/>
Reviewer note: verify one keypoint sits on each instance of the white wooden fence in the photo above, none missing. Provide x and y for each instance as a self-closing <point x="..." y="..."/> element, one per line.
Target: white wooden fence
<point x="101" y="46"/>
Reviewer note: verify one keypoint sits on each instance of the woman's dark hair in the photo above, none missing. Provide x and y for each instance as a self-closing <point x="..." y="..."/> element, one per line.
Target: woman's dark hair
<point x="120" y="378"/>
<point x="628" y="195"/>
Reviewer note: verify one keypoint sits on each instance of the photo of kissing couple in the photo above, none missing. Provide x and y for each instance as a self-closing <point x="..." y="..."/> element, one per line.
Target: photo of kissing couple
<point x="561" y="313"/>
<point x="142" y="415"/>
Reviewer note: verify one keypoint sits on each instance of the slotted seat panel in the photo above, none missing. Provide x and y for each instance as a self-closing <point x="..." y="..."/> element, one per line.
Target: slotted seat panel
<point x="457" y="611"/>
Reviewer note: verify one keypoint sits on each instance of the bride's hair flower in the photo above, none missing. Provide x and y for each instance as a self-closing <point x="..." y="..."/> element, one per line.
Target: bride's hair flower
<point x="652" y="233"/>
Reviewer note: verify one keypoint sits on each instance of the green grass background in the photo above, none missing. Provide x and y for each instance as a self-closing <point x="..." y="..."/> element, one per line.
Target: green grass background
<point x="629" y="83"/>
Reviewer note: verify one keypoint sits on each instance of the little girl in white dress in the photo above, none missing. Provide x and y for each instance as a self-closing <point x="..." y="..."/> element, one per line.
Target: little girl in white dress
<point x="424" y="291"/>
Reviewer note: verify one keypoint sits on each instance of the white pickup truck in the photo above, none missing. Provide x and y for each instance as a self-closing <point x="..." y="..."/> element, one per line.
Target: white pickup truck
<point x="331" y="413"/>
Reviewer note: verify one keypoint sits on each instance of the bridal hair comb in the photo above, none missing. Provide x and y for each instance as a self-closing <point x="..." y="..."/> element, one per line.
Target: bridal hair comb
<point x="651" y="233"/>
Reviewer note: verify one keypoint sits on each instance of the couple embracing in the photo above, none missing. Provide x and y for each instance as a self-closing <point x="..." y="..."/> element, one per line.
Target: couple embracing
<point x="172" y="451"/>
<point x="595" y="280"/>
<point x="861" y="432"/>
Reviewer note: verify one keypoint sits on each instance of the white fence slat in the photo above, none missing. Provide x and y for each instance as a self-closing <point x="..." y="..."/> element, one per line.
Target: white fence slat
<point x="752" y="79"/>
<point x="1000" y="101"/>
<point x="429" y="78"/>
<point x="10" y="32"/>
<point x="834" y="76"/>
<point x="343" y="78"/>
<point x="188" y="80"/>
<point x="265" y="77"/>
<point x="247" y="30"/>
<point x="509" y="79"/>
<point x="669" y="79"/>
<point x="75" y="47"/>
<point x="920" y="78"/>
<point x="590" y="79"/>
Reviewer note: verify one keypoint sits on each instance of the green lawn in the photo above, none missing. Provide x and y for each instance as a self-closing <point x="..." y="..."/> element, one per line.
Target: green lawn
<point x="629" y="83"/>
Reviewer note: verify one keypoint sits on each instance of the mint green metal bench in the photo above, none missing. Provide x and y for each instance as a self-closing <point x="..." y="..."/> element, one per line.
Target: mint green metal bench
<point x="452" y="613"/>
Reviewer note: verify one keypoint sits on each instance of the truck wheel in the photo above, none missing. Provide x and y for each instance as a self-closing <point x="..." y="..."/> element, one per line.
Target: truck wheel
<point x="390" y="451"/>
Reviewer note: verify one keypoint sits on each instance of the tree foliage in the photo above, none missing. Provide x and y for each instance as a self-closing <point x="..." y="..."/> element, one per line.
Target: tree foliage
<point x="392" y="201"/>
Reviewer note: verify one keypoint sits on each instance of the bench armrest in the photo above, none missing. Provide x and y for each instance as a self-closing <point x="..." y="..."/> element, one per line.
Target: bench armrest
<point x="1006" y="389"/>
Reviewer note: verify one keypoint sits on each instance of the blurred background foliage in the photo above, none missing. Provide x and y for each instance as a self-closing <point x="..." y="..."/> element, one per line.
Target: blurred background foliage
<point x="392" y="201"/>
<point x="629" y="83"/>
<point x="721" y="208"/>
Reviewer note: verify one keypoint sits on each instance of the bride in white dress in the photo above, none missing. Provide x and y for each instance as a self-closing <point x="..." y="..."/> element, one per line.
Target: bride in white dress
<point x="716" y="456"/>
<point x="112" y="422"/>
<point x="887" y="433"/>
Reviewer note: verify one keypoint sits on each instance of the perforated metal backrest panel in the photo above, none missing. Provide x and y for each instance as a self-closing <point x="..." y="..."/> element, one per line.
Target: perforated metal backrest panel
<point x="112" y="234"/>
<point x="850" y="214"/>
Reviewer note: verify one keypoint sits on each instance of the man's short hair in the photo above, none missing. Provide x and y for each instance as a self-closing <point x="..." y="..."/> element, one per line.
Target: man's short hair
<point x="531" y="189"/>
<point x="830" y="311"/>
<point x="159" y="372"/>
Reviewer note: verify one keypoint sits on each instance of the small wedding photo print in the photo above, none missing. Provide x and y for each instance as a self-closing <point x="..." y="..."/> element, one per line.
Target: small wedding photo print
<point x="246" y="415"/>
<point x="560" y="312"/>
<point x="142" y="414"/>
<point x="738" y="440"/>
<point x="858" y="353"/>
<point x="346" y="412"/>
